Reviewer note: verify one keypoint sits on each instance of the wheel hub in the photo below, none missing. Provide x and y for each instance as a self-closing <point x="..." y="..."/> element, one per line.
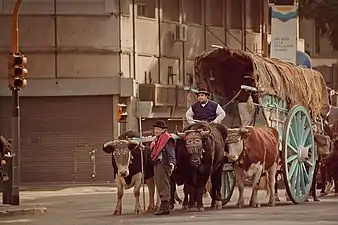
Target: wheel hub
<point x="303" y="153"/>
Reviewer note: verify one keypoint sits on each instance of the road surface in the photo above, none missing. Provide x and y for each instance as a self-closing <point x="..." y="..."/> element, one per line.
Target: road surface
<point x="94" y="205"/>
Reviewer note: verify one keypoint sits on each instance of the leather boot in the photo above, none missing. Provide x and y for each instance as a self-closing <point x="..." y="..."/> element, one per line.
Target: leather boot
<point x="164" y="209"/>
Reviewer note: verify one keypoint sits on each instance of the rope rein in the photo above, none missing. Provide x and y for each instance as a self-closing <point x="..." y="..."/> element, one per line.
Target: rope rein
<point x="232" y="100"/>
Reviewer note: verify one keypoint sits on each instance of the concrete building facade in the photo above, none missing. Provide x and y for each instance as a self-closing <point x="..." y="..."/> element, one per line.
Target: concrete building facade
<point x="85" y="56"/>
<point x="317" y="45"/>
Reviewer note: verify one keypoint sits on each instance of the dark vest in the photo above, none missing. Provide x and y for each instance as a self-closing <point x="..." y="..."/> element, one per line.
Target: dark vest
<point x="206" y="113"/>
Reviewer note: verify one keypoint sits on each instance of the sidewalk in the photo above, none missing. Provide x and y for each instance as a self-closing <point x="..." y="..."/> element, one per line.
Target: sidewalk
<point x="12" y="210"/>
<point x="30" y="200"/>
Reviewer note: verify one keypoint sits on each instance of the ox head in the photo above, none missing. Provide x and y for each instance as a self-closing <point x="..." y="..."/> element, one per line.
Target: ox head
<point x="194" y="144"/>
<point x="121" y="150"/>
<point x="235" y="142"/>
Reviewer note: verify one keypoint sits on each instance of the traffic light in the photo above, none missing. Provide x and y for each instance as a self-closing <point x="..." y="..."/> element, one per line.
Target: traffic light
<point x="17" y="71"/>
<point x="122" y="114"/>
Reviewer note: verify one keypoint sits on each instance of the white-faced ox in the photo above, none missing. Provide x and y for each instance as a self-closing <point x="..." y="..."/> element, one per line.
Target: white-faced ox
<point x="126" y="160"/>
<point x="254" y="150"/>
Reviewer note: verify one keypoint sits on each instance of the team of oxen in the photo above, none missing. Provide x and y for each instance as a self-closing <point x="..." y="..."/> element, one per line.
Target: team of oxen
<point x="201" y="152"/>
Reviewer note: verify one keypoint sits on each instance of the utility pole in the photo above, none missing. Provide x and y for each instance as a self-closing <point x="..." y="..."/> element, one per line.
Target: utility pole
<point x="244" y="25"/>
<point x="17" y="73"/>
<point x="264" y="27"/>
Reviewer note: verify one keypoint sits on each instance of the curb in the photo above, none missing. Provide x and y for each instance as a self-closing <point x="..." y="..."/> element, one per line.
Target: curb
<point x="21" y="211"/>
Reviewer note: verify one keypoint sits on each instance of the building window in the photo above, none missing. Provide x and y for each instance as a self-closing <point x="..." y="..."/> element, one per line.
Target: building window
<point x="253" y="15"/>
<point x="146" y="8"/>
<point x="124" y="6"/>
<point x="193" y="11"/>
<point x="317" y="40"/>
<point x="234" y="14"/>
<point x="170" y="10"/>
<point x="214" y="10"/>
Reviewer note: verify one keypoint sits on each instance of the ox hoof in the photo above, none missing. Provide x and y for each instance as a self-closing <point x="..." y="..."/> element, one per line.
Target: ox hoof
<point x="193" y="209"/>
<point x="117" y="212"/>
<point x="306" y="200"/>
<point x="240" y="204"/>
<point x="171" y="206"/>
<point x="316" y="199"/>
<point x="271" y="204"/>
<point x="200" y="209"/>
<point x="255" y="204"/>
<point x="277" y="199"/>
<point x="179" y="201"/>
<point x="136" y="211"/>
<point x="335" y="194"/>
<point x="184" y="207"/>
<point x="218" y="205"/>
<point x="151" y="209"/>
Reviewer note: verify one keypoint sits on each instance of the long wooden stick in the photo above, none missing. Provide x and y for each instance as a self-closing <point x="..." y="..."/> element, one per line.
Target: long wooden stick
<point x="142" y="168"/>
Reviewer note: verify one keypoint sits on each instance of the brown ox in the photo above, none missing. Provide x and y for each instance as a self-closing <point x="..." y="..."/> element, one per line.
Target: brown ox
<point x="254" y="150"/>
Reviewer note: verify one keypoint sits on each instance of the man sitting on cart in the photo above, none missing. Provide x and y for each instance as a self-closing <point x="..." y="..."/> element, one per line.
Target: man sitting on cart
<point x="205" y="109"/>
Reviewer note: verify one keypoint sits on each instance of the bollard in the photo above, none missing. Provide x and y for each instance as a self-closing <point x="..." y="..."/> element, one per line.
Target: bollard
<point x="7" y="185"/>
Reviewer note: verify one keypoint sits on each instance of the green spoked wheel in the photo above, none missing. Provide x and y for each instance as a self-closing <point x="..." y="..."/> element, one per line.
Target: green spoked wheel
<point x="228" y="183"/>
<point x="299" y="154"/>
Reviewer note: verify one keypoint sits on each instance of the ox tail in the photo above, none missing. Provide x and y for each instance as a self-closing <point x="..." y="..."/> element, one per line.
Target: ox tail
<point x="267" y="186"/>
<point x="207" y="188"/>
<point x="264" y="183"/>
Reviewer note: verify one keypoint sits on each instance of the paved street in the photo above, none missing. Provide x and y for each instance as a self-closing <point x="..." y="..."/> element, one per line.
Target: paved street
<point x="93" y="205"/>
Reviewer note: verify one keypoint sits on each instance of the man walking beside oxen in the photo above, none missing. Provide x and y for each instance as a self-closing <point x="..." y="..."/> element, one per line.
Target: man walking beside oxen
<point x="163" y="157"/>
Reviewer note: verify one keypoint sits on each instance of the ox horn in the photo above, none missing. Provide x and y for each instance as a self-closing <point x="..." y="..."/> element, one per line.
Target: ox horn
<point x="243" y="130"/>
<point x="130" y="141"/>
<point x="180" y="134"/>
<point x="233" y="130"/>
<point x="204" y="133"/>
<point x="114" y="142"/>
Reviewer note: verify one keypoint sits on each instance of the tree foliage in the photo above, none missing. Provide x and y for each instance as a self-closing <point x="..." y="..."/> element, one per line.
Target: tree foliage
<point x="325" y="15"/>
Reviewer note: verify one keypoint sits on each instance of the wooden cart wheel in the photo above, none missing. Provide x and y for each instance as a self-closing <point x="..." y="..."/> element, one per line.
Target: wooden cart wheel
<point x="228" y="183"/>
<point x="299" y="154"/>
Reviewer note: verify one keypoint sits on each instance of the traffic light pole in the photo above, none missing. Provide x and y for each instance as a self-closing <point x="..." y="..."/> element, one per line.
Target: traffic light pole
<point x="15" y="197"/>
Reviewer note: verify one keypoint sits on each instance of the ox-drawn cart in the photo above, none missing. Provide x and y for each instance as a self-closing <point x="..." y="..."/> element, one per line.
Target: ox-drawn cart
<point x="292" y="99"/>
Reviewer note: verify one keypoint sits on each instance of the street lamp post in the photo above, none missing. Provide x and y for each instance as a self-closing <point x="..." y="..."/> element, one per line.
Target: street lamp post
<point x="15" y="197"/>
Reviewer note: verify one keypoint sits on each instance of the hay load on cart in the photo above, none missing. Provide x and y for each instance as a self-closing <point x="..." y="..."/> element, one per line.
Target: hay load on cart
<point x="229" y="69"/>
<point x="292" y="99"/>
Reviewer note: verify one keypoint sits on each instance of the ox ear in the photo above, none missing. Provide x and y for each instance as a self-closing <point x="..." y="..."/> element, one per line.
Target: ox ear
<point x="108" y="147"/>
<point x="181" y="135"/>
<point x="205" y="133"/>
<point x="245" y="133"/>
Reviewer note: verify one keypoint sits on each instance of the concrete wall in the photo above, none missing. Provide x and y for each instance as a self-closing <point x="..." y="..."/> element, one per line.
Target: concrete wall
<point x="68" y="39"/>
<point x="207" y="24"/>
<point x="84" y="44"/>
<point x="64" y="40"/>
<point x="317" y="45"/>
